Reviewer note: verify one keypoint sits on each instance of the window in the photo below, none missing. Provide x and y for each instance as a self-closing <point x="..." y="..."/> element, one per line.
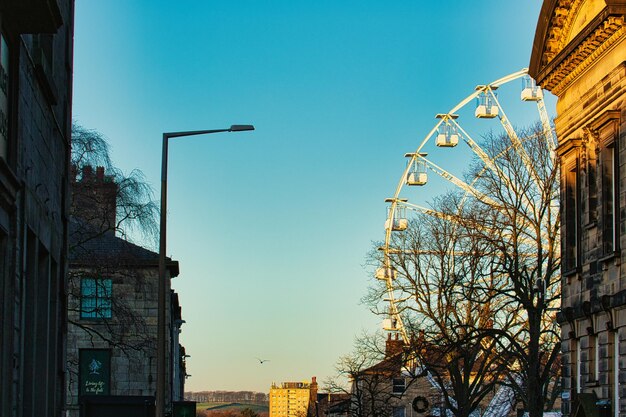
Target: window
<point x="570" y="247"/>
<point x="398" y="412"/>
<point x="606" y="129"/>
<point x="608" y="200"/>
<point x="592" y="188"/>
<point x="593" y="372"/>
<point x="95" y="298"/>
<point x="44" y="65"/>
<point x="578" y="365"/>
<point x="398" y="385"/>
<point x="615" y="369"/>
<point x="4" y="97"/>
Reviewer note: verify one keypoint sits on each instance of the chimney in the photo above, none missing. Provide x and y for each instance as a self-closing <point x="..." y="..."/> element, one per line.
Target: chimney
<point x="87" y="172"/>
<point x="94" y="198"/>
<point x="393" y="346"/>
<point x="313" y="397"/>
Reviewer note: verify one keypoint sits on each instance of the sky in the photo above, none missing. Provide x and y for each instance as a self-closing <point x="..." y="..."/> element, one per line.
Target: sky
<point x="272" y="227"/>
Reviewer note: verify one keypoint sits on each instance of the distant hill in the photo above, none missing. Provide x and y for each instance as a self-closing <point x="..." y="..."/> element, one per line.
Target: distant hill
<point x="228" y="397"/>
<point x="258" y="408"/>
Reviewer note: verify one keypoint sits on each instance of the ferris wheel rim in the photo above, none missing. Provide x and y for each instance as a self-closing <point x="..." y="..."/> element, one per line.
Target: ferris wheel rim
<point x="396" y="201"/>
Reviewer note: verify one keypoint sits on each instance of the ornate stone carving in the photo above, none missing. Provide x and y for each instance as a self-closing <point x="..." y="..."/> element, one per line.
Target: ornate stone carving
<point x="600" y="40"/>
<point x="564" y="14"/>
<point x="589" y="141"/>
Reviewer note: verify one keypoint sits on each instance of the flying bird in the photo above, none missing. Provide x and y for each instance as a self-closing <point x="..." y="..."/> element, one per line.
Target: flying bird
<point x="262" y="361"/>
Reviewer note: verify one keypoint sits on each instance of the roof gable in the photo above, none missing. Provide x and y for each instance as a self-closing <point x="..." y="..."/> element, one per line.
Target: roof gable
<point x="570" y="36"/>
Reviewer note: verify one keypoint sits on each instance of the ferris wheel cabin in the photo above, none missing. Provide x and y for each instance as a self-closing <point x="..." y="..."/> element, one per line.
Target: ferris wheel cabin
<point x="400" y="222"/>
<point x="486" y="107"/>
<point x="390" y="325"/>
<point x="386" y="272"/>
<point x="417" y="171"/>
<point x="397" y="225"/>
<point x="448" y="133"/>
<point x="530" y="90"/>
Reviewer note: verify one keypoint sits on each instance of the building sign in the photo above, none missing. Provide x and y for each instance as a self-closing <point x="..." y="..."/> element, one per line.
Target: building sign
<point x="95" y="371"/>
<point x="184" y="408"/>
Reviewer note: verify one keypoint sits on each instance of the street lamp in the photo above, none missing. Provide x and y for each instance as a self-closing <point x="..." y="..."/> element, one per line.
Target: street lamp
<point x="161" y="334"/>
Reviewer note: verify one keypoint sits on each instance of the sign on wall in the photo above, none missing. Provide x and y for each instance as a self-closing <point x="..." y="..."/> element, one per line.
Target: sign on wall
<point x="94" y="371"/>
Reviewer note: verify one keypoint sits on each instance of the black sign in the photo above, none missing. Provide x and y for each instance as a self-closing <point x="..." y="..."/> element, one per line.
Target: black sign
<point x="184" y="408"/>
<point x="95" y="371"/>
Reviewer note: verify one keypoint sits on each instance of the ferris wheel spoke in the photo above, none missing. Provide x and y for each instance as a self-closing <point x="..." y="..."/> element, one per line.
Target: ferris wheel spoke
<point x="547" y="128"/>
<point x="494" y="186"/>
<point x="489" y="164"/>
<point x="517" y="143"/>
<point x="459" y="183"/>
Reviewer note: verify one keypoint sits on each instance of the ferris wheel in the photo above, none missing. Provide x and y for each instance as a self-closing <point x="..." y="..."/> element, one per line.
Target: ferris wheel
<point x="460" y="126"/>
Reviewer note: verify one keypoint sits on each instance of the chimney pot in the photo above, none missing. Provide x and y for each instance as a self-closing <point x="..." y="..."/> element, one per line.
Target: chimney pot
<point x="87" y="172"/>
<point x="100" y="174"/>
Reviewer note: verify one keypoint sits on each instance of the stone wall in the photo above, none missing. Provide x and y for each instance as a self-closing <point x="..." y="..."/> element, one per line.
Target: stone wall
<point x="36" y="81"/>
<point x="579" y="55"/>
<point x="130" y="333"/>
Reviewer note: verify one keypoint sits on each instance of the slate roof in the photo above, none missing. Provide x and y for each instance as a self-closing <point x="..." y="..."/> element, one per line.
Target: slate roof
<point x="89" y="246"/>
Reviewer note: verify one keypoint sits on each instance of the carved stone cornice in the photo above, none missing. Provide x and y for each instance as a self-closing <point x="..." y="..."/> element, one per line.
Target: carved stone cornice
<point x="567" y="146"/>
<point x="560" y="28"/>
<point x="600" y="40"/>
<point x="570" y="36"/>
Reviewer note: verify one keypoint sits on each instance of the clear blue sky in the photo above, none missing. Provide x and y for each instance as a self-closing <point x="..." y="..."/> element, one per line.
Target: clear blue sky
<point x="272" y="227"/>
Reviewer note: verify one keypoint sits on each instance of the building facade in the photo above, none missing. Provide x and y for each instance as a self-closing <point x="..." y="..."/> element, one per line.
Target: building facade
<point x="293" y="399"/>
<point x="398" y="386"/>
<point x="333" y="405"/>
<point x="36" y="61"/>
<point x="112" y="307"/>
<point x="579" y="54"/>
<point x="390" y="388"/>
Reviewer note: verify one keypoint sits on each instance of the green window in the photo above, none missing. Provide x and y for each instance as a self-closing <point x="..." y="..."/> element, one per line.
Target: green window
<point x="95" y="298"/>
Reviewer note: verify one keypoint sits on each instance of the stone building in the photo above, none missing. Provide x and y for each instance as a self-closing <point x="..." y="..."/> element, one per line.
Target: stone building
<point x="36" y="61"/>
<point x="333" y="405"/>
<point x="579" y="54"/>
<point x="398" y="387"/>
<point x="389" y="389"/>
<point x="112" y="306"/>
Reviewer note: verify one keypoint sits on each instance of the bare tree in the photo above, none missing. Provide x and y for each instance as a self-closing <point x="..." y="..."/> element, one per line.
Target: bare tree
<point x="524" y="232"/>
<point x="107" y="208"/>
<point x="477" y="281"/>
<point x="365" y="374"/>
<point x="125" y="207"/>
<point x="447" y="292"/>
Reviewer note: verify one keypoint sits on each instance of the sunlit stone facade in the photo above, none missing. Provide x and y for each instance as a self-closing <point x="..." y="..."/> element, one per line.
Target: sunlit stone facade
<point x="579" y="54"/>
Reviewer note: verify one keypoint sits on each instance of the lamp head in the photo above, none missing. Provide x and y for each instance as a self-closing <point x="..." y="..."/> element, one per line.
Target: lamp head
<point x="240" y="128"/>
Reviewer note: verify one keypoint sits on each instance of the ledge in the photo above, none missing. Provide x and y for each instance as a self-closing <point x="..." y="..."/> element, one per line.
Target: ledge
<point x="33" y="16"/>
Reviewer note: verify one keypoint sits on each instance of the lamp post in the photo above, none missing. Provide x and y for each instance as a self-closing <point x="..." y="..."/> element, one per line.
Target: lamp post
<point x="161" y="319"/>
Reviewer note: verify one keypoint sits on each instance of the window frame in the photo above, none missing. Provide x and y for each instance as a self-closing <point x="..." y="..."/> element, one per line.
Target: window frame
<point x="398" y="411"/>
<point x="606" y="129"/>
<point x="571" y="216"/>
<point x="396" y="386"/>
<point x="95" y="312"/>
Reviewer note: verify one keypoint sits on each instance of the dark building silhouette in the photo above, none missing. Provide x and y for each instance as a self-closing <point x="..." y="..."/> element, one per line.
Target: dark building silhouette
<point x="112" y="306"/>
<point x="95" y="195"/>
<point x="36" y="59"/>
